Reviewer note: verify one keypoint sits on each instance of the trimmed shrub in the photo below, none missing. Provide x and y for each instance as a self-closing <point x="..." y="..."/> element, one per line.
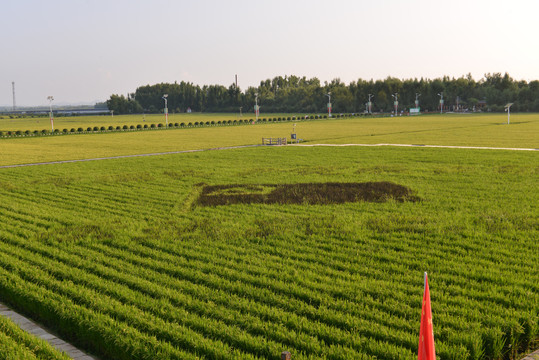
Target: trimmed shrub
<point x="152" y="126"/>
<point x="132" y="127"/>
<point x="65" y="131"/>
<point x="18" y="132"/>
<point x="139" y="126"/>
<point x="219" y="122"/>
<point x="196" y="123"/>
<point x="145" y="126"/>
<point x="176" y="124"/>
<point x="96" y="128"/>
<point x="160" y="125"/>
<point x="27" y="132"/>
<point x="102" y="128"/>
<point x="212" y="122"/>
<point x="1" y="133"/>
<point x="229" y="122"/>
<point x="182" y="124"/>
<point x="80" y="129"/>
<point x="118" y="127"/>
<point x="325" y="116"/>
<point x="36" y="132"/>
<point x="56" y="131"/>
<point x="111" y="127"/>
<point x="72" y="130"/>
<point x="207" y="123"/>
<point x="190" y="124"/>
<point x="125" y="127"/>
<point x="42" y="131"/>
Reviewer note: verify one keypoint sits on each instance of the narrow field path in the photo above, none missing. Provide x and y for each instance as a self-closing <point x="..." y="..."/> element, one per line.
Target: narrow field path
<point x="36" y="330"/>
<point x="125" y="156"/>
<point x="427" y="146"/>
<point x="248" y="146"/>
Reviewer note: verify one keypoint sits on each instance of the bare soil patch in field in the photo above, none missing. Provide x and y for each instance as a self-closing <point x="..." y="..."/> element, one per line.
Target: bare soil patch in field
<point x="307" y="193"/>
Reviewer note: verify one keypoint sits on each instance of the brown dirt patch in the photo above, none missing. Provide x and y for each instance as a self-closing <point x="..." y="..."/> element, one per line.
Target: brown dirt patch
<point x="309" y="193"/>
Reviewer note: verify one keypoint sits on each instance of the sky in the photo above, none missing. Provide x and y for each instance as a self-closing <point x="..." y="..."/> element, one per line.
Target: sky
<point x="83" y="51"/>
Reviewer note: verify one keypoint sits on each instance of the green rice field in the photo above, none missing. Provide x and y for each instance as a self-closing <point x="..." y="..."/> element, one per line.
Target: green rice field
<point x="223" y="255"/>
<point x="451" y="129"/>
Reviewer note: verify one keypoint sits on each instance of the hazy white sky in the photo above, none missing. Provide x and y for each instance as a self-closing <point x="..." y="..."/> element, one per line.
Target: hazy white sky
<point x="84" y="51"/>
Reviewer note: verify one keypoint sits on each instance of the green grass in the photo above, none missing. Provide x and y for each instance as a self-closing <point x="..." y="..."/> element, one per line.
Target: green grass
<point x="468" y="130"/>
<point x="117" y="256"/>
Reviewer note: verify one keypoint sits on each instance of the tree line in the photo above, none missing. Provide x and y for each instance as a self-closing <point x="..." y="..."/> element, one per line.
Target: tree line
<point x="293" y="94"/>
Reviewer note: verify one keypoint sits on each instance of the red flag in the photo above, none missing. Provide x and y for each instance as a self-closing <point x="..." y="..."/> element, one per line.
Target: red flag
<point x="425" y="349"/>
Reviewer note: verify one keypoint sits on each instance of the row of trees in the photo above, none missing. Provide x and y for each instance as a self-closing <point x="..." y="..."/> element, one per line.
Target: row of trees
<point x="291" y="94"/>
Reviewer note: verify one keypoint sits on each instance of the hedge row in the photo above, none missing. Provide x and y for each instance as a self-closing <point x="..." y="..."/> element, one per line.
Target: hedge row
<point x="111" y="128"/>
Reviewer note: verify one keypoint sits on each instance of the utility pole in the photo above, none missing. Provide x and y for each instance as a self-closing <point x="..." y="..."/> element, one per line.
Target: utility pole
<point x="369" y="104"/>
<point x="396" y="102"/>
<point x="441" y="95"/>
<point x="13" y="87"/>
<point x="257" y="109"/>
<point x="50" y="98"/>
<point x="166" y="108"/>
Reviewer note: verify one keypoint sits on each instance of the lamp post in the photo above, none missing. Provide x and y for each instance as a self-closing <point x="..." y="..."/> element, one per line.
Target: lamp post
<point x="441" y="95"/>
<point x="50" y="98"/>
<point x="396" y="102"/>
<point x="508" y="109"/>
<point x="369" y="104"/>
<point x="417" y="95"/>
<point x="166" y="109"/>
<point x="257" y="108"/>
<point x="329" y="103"/>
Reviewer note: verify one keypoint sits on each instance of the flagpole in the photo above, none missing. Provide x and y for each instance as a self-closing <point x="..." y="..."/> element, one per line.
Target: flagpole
<point x="425" y="280"/>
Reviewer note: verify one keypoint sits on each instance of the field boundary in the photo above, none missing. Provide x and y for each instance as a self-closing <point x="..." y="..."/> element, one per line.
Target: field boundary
<point x="248" y="146"/>
<point x="427" y="146"/>
<point x="38" y="331"/>
<point x="126" y="156"/>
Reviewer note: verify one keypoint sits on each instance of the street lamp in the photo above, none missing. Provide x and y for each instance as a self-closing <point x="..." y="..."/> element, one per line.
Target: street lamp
<point x="257" y="108"/>
<point x="166" y="108"/>
<point x="441" y="95"/>
<point x="50" y="98"/>
<point x="369" y="104"/>
<point x="329" y="103"/>
<point x="507" y="108"/>
<point x="396" y="102"/>
<point x="417" y="95"/>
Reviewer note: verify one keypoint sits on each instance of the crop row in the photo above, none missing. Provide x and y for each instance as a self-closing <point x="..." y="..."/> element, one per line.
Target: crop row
<point x="16" y="343"/>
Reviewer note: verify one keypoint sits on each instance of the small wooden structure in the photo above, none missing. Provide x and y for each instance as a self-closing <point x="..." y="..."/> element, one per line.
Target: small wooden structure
<point x="285" y="355"/>
<point x="273" y="141"/>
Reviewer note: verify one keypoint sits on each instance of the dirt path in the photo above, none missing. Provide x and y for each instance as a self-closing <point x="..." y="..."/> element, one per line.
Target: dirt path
<point x="125" y="156"/>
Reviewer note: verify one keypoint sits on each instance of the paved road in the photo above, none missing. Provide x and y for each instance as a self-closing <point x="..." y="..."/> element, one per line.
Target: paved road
<point x="36" y="330"/>
<point x="427" y="146"/>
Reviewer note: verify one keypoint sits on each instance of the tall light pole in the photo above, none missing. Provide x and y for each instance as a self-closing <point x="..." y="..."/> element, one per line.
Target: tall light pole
<point x="417" y="95"/>
<point x="257" y="108"/>
<point x="507" y="108"/>
<point x="50" y="98"/>
<point x="369" y="104"/>
<point x="441" y="95"/>
<point x="396" y="102"/>
<point x="329" y="103"/>
<point x="166" y="108"/>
